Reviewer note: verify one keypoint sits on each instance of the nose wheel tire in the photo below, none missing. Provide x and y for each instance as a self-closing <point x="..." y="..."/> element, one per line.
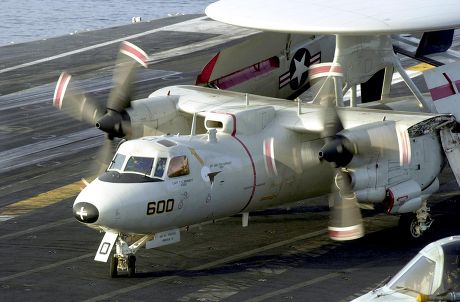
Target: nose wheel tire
<point x="414" y="227"/>
<point x="131" y="266"/>
<point x="408" y="224"/>
<point x="126" y="264"/>
<point x="113" y="267"/>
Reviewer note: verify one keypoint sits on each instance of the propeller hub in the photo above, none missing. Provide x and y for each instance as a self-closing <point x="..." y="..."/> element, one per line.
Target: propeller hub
<point x="113" y="123"/>
<point x="337" y="151"/>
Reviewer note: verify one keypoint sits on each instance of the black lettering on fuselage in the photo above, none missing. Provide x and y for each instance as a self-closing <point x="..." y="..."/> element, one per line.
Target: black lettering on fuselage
<point x="159" y="207"/>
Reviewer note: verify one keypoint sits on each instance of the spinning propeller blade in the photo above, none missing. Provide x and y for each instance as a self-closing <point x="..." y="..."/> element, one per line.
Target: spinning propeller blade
<point x="116" y="122"/>
<point x="345" y="222"/>
<point x="345" y="219"/>
<point x="111" y="117"/>
<point x="74" y="102"/>
<point x="104" y="157"/>
<point x="129" y="57"/>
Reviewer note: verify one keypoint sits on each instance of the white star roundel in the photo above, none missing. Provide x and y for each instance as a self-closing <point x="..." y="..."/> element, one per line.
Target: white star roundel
<point x="299" y="68"/>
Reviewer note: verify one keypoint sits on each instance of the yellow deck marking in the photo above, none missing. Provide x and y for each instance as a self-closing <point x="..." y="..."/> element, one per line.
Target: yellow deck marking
<point x="40" y="201"/>
<point x="421" y="67"/>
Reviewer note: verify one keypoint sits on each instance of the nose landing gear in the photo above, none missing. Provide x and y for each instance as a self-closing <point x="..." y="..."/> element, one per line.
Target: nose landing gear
<point x="123" y="260"/>
<point x="121" y="263"/>
<point x="416" y="223"/>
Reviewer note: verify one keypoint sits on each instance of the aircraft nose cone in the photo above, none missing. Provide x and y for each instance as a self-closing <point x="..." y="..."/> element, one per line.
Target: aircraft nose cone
<point x="85" y="212"/>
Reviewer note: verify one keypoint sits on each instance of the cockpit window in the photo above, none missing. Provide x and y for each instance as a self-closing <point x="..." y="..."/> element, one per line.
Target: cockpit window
<point x="418" y="279"/>
<point x="161" y="165"/>
<point x="137" y="164"/>
<point x="117" y="162"/>
<point x="178" y="166"/>
<point x="451" y="276"/>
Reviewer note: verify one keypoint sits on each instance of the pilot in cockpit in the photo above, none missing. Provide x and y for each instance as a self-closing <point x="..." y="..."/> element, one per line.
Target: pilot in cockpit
<point x="452" y="273"/>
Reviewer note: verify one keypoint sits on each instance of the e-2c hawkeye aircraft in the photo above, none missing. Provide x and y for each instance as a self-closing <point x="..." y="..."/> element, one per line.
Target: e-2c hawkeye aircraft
<point x="239" y="152"/>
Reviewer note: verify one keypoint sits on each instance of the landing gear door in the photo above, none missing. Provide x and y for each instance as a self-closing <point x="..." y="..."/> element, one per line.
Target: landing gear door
<point x="103" y="252"/>
<point x="451" y="145"/>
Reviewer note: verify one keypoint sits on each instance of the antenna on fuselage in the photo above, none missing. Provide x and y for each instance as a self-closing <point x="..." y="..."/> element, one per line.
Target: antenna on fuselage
<point x="193" y="129"/>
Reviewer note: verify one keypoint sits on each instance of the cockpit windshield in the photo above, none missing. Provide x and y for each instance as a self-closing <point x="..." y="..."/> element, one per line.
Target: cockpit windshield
<point x="451" y="275"/>
<point x="160" y="168"/>
<point x="138" y="164"/>
<point x="117" y="162"/>
<point x="134" y="164"/>
<point x="148" y="166"/>
<point x="418" y="279"/>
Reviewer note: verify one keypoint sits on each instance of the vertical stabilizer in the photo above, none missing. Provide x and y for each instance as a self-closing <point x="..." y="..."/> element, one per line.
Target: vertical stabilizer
<point x="444" y="85"/>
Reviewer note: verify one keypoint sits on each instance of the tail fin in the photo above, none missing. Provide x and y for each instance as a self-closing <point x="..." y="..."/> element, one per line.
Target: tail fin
<point x="434" y="42"/>
<point x="444" y="86"/>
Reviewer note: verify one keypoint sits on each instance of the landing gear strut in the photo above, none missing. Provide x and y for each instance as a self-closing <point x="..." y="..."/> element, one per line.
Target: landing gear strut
<point x="123" y="259"/>
<point x="416" y="223"/>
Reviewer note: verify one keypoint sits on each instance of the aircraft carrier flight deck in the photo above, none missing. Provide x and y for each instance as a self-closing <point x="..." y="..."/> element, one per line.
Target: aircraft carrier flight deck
<point x="46" y="255"/>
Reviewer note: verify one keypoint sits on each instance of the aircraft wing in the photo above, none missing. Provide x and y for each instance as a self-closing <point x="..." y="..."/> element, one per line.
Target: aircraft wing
<point x="197" y="99"/>
<point x="344" y="17"/>
<point x="202" y="101"/>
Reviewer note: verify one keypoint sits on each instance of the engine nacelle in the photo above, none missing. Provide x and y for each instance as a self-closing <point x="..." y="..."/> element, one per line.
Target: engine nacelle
<point x="393" y="165"/>
<point x="156" y="116"/>
<point x="373" y="141"/>
<point x="405" y="197"/>
<point x="365" y="185"/>
<point x="373" y="195"/>
<point x="363" y="178"/>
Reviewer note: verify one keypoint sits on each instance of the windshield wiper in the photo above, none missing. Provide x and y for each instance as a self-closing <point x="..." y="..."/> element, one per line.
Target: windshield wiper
<point x="399" y="289"/>
<point x="382" y="283"/>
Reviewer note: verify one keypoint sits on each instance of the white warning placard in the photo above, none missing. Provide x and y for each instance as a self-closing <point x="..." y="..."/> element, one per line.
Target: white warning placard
<point x="164" y="238"/>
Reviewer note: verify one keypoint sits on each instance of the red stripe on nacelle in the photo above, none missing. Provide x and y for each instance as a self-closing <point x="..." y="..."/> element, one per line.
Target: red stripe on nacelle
<point x="268" y="156"/>
<point x="320" y="69"/>
<point x="406" y="155"/>
<point x="389" y="201"/>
